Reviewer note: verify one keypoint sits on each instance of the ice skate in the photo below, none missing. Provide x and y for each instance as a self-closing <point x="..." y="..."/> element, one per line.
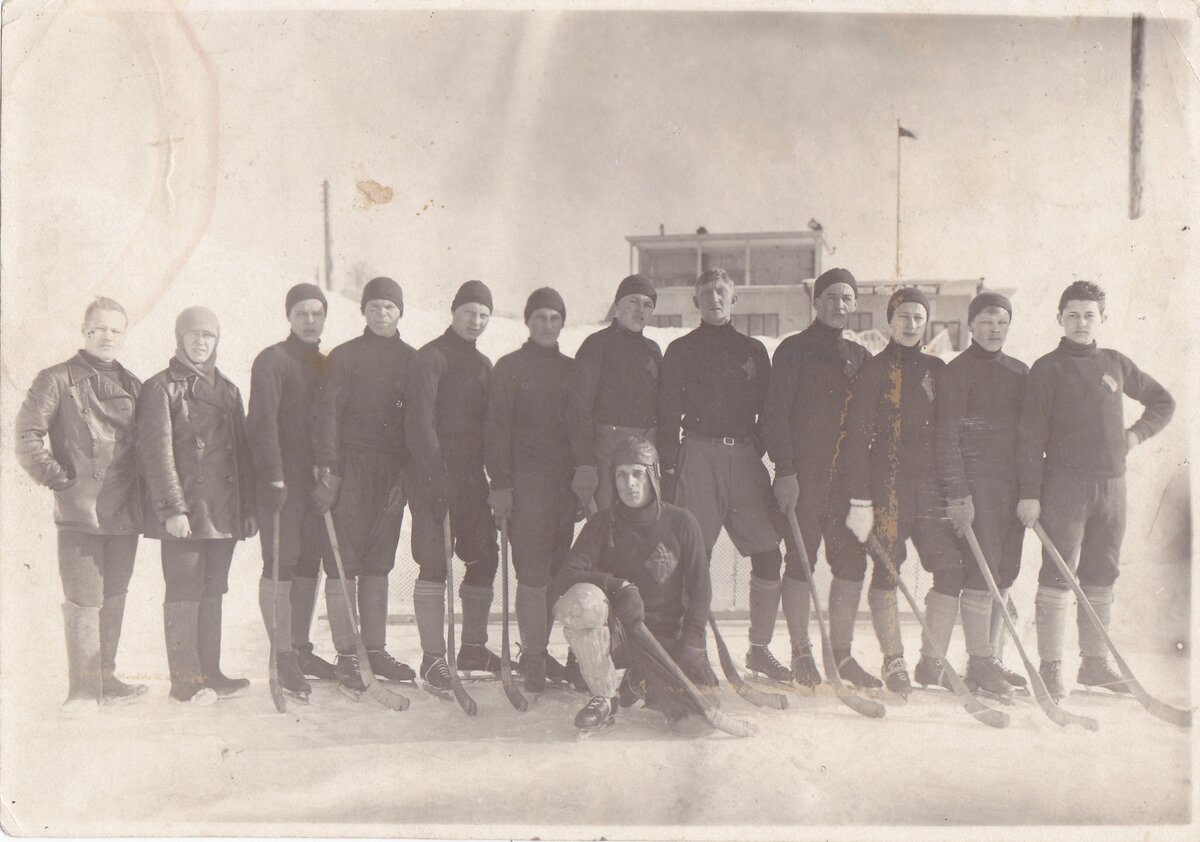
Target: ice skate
<point x="435" y="677"/>
<point x="764" y="666"/>
<point x="313" y="665"/>
<point x="931" y="672"/>
<point x="349" y="681"/>
<point x="895" y="676"/>
<point x="852" y="673"/>
<point x="596" y="716"/>
<point x="983" y="679"/>
<point x="291" y="679"/>
<point x="804" y="667"/>
<point x="476" y="662"/>
<point x="1051" y="672"/>
<point x="1097" y="673"/>
<point x="116" y="691"/>
<point x="383" y="665"/>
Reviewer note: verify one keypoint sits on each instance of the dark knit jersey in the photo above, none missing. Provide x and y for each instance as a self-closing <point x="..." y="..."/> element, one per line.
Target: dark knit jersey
<point x="615" y="382"/>
<point x="283" y="380"/>
<point x="810" y="382"/>
<point x="1073" y="416"/>
<point x="445" y="405"/>
<point x="659" y="549"/>
<point x="978" y="408"/>
<point x="526" y="429"/>
<point x="714" y="383"/>
<point x="360" y="401"/>
<point x="890" y="431"/>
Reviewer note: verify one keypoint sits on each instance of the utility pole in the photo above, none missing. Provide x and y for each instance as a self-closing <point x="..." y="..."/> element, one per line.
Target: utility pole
<point x="328" y="236"/>
<point x="1137" y="49"/>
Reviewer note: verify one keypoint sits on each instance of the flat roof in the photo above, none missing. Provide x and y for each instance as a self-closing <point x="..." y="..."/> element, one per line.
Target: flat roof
<point x="651" y="239"/>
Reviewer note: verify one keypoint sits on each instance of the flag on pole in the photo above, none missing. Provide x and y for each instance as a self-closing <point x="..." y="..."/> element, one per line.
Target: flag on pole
<point x="905" y="132"/>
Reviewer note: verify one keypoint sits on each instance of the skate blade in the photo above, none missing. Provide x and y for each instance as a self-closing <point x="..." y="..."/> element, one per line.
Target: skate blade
<point x="1002" y="698"/>
<point x="596" y="730"/>
<point x="1101" y="691"/>
<point x="475" y="676"/>
<point x="293" y="696"/>
<point x="444" y="695"/>
<point x="350" y="692"/>
<point x="892" y="698"/>
<point x="763" y="678"/>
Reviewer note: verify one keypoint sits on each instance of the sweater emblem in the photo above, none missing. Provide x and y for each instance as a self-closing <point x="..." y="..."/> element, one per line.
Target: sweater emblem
<point x="1109" y="381"/>
<point x="661" y="564"/>
<point x="927" y="385"/>
<point x="749" y="368"/>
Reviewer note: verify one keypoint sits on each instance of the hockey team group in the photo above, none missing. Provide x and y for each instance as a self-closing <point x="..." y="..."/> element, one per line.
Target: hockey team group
<point x="657" y="451"/>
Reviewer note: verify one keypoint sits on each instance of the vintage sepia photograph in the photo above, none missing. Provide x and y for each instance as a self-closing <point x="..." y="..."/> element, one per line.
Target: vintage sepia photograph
<point x="632" y="420"/>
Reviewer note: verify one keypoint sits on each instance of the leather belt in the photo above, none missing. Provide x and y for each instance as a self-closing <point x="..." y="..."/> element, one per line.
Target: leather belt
<point x="728" y="441"/>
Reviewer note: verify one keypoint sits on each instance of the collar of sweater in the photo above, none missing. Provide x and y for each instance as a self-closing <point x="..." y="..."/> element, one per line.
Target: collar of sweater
<point x="722" y="329"/>
<point x="622" y="331"/>
<point x="1077" y="350"/>
<point x="977" y="350"/>
<point x="534" y="348"/>
<point x="458" y="340"/>
<point x="903" y="351"/>
<point x="824" y="333"/>
<point x="375" y="337"/>
<point x="298" y="347"/>
<point x="97" y="363"/>
<point x="643" y="514"/>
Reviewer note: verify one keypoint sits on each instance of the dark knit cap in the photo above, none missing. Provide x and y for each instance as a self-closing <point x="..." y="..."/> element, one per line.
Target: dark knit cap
<point x="472" y="292"/>
<point x="636" y="285"/>
<point x="545" y="298"/>
<point x="305" y="292"/>
<point x="831" y="277"/>
<point x="987" y="299"/>
<point x="904" y="295"/>
<point x="382" y="289"/>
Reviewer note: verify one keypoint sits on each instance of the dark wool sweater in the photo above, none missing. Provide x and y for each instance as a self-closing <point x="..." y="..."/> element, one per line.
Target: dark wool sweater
<point x="810" y="382"/>
<point x="1073" y="416"/>
<point x="527" y="415"/>
<point x="360" y="401"/>
<point x="445" y="404"/>
<point x="714" y="383"/>
<point x="615" y="382"/>
<point x="977" y="414"/>
<point x="659" y="549"/>
<point x="283" y="379"/>
<point x="889" y="444"/>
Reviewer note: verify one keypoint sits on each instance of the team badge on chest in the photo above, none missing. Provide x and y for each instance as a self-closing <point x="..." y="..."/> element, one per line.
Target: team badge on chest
<point x="927" y="385"/>
<point x="661" y="564"/>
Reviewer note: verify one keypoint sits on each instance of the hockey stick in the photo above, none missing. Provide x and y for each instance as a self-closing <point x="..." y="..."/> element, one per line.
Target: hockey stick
<point x="464" y="699"/>
<point x="1157" y="707"/>
<point x="986" y="715"/>
<point x="1056" y="713"/>
<point x="387" y="698"/>
<point x="867" y="707"/>
<point x="719" y="720"/>
<point x="751" y="694"/>
<point x="273" y="670"/>
<point x="510" y="689"/>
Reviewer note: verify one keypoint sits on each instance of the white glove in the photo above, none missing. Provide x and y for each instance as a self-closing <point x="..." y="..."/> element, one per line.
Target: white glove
<point x="861" y="519"/>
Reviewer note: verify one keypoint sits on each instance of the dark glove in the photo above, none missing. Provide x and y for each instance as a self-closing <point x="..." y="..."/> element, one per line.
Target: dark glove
<point x="669" y="482"/>
<point x="396" y="499"/>
<point x="325" y="492"/>
<point x="249" y="527"/>
<point x="271" y="496"/>
<point x="627" y="605"/>
<point x="694" y="662"/>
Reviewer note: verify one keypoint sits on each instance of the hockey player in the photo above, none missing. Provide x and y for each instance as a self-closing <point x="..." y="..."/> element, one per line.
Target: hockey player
<point x="713" y="387"/>
<point x="645" y="559"/>
<point x="891" y="469"/>
<point x="802" y="425"/>
<point x="613" y="392"/>
<point x="1072" y="444"/>
<point x="195" y="461"/>
<point x="86" y="406"/>
<point x="977" y="411"/>
<point x="283" y="381"/>
<point x="446" y="404"/>
<point x="358" y="443"/>
<point x="530" y="465"/>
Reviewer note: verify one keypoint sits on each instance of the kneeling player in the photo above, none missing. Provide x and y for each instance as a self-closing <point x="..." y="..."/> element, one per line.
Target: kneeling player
<point x="644" y="560"/>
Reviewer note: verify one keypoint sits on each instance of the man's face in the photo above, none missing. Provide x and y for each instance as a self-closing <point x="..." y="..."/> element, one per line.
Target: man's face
<point x="1080" y="320"/>
<point x="989" y="328"/>
<point x="104" y="334"/>
<point x="715" y="302"/>
<point x="307" y="319"/>
<point x="834" y="304"/>
<point x="634" y="311"/>
<point x="382" y="316"/>
<point x="545" y="325"/>
<point x="470" y="320"/>
<point x="199" y="345"/>
<point x="633" y="485"/>
<point x="908" y="323"/>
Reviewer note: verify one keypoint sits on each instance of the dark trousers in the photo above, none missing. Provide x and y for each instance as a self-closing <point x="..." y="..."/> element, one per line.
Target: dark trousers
<point x="472" y="528"/>
<point x="196" y="568"/>
<point x="1085" y="518"/>
<point x="367" y="535"/>
<point x="302" y="539"/>
<point x="542" y="526"/>
<point x="819" y="518"/>
<point x="998" y="531"/>
<point x="93" y="567"/>
<point x="919" y="517"/>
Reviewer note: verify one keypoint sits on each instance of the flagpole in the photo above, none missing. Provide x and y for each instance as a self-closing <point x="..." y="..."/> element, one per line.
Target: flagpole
<point x="898" y="198"/>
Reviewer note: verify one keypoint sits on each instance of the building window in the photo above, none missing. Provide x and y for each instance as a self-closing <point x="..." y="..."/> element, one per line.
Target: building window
<point x="668" y="267"/>
<point x="952" y="328"/>
<point x="731" y="259"/>
<point x="781" y="265"/>
<point x="757" y="324"/>
<point x="858" y="322"/>
<point x="675" y="320"/>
